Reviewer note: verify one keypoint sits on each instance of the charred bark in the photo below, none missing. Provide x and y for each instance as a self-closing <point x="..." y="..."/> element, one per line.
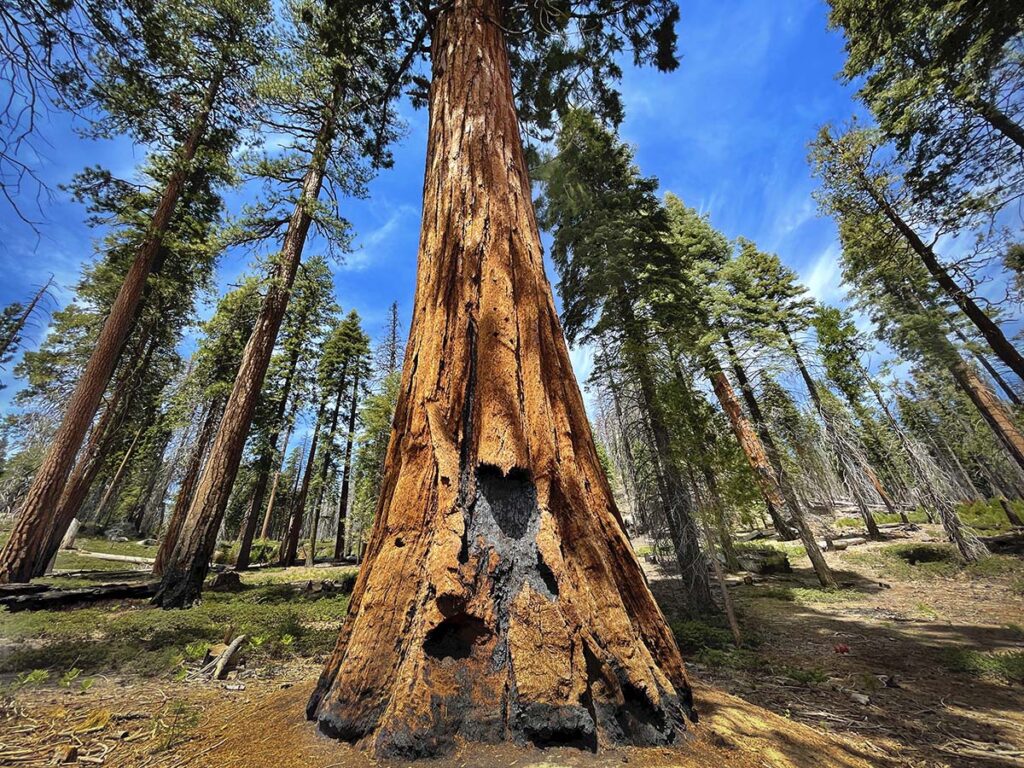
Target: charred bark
<point x="499" y="598"/>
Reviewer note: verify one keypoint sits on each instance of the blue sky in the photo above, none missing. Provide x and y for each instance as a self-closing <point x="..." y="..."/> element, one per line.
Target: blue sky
<point x="727" y="132"/>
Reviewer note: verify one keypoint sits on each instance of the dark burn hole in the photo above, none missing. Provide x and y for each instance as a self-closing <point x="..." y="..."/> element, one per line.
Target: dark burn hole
<point x="511" y="498"/>
<point x="449" y="605"/>
<point x="546" y="575"/>
<point x="455" y="637"/>
<point x="640" y="719"/>
<point x="557" y="726"/>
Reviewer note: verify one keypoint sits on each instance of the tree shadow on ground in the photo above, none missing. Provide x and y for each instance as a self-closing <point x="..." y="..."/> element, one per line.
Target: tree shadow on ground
<point x="917" y="704"/>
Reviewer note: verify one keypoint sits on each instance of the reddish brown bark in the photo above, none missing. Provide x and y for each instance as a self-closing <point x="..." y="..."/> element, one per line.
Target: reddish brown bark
<point x="786" y="533"/>
<point x="185" y="570"/>
<point x="991" y="408"/>
<point x="500" y="598"/>
<point x="37" y="516"/>
<point x="768" y="482"/>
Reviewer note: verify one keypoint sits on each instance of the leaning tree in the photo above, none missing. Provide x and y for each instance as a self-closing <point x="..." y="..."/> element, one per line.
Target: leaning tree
<point x="500" y="598"/>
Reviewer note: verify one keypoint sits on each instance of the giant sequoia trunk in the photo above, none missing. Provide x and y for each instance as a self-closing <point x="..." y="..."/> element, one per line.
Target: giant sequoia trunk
<point x="38" y="515"/>
<point x="185" y="570"/>
<point x="500" y="597"/>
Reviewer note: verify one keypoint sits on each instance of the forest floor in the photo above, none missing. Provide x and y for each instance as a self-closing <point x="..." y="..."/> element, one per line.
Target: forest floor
<point x="908" y="665"/>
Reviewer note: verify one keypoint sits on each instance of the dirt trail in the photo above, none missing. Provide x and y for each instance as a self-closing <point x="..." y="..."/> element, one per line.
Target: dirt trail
<point x="265" y="726"/>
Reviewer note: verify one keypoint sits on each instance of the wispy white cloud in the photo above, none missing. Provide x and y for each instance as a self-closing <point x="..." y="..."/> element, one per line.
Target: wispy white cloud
<point x="822" y="278"/>
<point x="369" y="247"/>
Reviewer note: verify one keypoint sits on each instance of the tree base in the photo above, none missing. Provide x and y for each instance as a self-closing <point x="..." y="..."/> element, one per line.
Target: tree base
<point x="505" y="658"/>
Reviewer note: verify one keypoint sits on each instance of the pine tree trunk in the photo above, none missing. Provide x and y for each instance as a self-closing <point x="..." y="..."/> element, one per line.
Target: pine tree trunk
<point x="770" y="484"/>
<point x="339" y="543"/>
<point x="767" y="441"/>
<point x="91" y="461"/>
<point x="185" y="570"/>
<point x="187" y="487"/>
<point x="325" y="468"/>
<point x="499" y="598"/>
<point x="115" y="481"/>
<point x="992" y="333"/>
<point x="265" y="528"/>
<point x="1011" y="395"/>
<point x="291" y="546"/>
<point x="843" y="460"/>
<point x="991" y="409"/>
<point x="252" y="517"/>
<point x="998" y="120"/>
<point x="37" y="517"/>
<point x="252" y="513"/>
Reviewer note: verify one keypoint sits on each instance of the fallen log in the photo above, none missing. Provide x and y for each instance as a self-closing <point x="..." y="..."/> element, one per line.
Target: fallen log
<point x="117" y="558"/>
<point x="59" y="598"/>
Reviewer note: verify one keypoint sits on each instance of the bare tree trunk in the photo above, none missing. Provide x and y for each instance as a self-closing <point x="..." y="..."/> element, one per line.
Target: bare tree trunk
<point x="500" y="597"/>
<point x="37" y="516"/>
<point x="770" y="484"/>
<point x="768" y="442"/>
<point x="339" y="544"/>
<point x="325" y="468"/>
<point x="291" y="546"/>
<point x="187" y="487"/>
<point x="116" y="479"/>
<point x="187" y="567"/>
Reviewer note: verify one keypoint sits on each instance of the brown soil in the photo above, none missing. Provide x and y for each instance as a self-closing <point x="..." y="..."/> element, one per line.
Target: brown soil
<point x="919" y="713"/>
<point x="265" y="726"/>
<point x="894" y="630"/>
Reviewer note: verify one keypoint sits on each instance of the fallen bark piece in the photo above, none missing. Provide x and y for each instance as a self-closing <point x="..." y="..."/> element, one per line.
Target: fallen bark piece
<point x="225" y="658"/>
